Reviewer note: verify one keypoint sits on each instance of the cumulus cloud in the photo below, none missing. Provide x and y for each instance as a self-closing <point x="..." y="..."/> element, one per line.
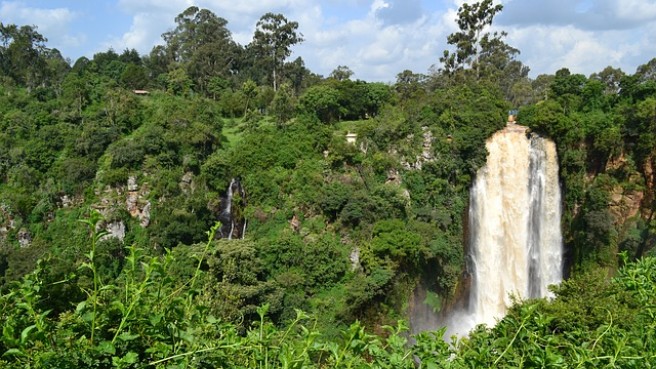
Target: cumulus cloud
<point x="376" y="49"/>
<point x="153" y="6"/>
<point x="376" y="39"/>
<point x="391" y="36"/>
<point x="144" y="33"/>
<point x="549" y="48"/>
<point x="53" y="23"/>
<point x="583" y="14"/>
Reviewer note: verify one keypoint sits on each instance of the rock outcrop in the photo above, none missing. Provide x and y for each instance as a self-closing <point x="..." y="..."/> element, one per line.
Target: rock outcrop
<point x="136" y="201"/>
<point x="426" y="151"/>
<point x="133" y="198"/>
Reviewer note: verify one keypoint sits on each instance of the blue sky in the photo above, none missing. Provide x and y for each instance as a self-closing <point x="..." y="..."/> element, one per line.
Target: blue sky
<point x="375" y="38"/>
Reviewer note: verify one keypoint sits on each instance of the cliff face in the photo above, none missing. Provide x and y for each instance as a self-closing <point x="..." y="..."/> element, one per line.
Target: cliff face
<point x="629" y="198"/>
<point x="626" y="204"/>
<point x="631" y="191"/>
<point x="131" y="198"/>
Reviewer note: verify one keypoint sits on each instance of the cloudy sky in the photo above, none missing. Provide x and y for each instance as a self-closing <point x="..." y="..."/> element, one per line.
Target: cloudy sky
<point x="375" y="38"/>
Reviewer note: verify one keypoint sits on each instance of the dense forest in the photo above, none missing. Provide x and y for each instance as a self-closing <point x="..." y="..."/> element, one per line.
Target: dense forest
<point x="115" y="172"/>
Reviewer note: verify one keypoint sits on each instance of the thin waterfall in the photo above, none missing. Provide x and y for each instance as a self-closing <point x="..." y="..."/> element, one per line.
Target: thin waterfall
<point x="232" y="229"/>
<point x="233" y="224"/>
<point x="551" y="261"/>
<point x="228" y="209"/>
<point x="515" y="242"/>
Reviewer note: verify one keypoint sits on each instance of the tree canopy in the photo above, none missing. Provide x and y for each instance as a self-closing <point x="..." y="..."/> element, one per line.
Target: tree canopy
<point x="354" y="195"/>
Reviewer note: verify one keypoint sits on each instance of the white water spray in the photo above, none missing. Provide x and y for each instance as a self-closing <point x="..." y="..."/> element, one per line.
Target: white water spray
<point x="514" y="222"/>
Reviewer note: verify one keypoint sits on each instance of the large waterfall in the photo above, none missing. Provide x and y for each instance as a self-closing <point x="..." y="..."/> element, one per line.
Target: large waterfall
<point x="515" y="242"/>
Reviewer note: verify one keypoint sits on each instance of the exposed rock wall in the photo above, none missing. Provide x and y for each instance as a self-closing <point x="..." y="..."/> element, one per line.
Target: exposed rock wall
<point x="133" y="198"/>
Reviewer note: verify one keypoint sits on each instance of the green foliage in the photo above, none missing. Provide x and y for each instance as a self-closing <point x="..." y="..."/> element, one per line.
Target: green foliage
<point x="392" y="240"/>
<point x="591" y="323"/>
<point x="183" y="225"/>
<point x="151" y="318"/>
<point x="334" y="196"/>
<point x="340" y="230"/>
<point x="274" y="36"/>
<point x="600" y="127"/>
<point x="283" y="105"/>
<point x="322" y="101"/>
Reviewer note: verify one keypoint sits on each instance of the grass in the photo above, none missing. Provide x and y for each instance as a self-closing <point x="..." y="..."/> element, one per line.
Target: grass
<point x="349" y="125"/>
<point x="231" y="131"/>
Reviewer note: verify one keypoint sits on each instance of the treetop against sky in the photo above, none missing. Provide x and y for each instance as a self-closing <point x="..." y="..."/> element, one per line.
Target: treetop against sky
<point x="376" y="38"/>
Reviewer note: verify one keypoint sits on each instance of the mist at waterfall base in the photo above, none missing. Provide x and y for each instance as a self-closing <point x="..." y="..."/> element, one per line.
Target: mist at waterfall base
<point x="515" y="241"/>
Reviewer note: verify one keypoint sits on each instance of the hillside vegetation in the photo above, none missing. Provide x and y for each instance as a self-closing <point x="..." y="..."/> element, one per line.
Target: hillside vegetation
<point x="114" y="171"/>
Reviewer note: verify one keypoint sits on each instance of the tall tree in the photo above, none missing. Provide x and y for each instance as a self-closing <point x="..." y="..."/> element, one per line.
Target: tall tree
<point x="76" y="90"/>
<point x="156" y="63"/>
<point x="611" y="77"/>
<point x="471" y="41"/>
<point x="299" y="76"/>
<point x="341" y="73"/>
<point x="273" y="39"/>
<point x="195" y="27"/>
<point x="496" y="62"/>
<point x="130" y="56"/>
<point x="57" y="68"/>
<point x="249" y="89"/>
<point x="409" y="85"/>
<point x="202" y="45"/>
<point x="647" y="71"/>
<point x="283" y="105"/>
<point x="22" y="51"/>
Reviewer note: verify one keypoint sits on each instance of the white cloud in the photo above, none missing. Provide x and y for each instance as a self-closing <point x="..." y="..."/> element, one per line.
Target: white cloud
<point x="583" y="14"/>
<point x="144" y="33"/>
<point x="51" y="23"/>
<point x="549" y="48"/>
<point x="377" y="39"/>
<point x="375" y="46"/>
<point x="154" y="6"/>
<point x="47" y="18"/>
<point x="634" y="10"/>
<point x="372" y="48"/>
<point x="256" y="8"/>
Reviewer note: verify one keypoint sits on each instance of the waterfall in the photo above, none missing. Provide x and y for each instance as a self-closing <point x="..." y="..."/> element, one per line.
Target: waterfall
<point x="545" y="239"/>
<point x="228" y="210"/>
<point x="231" y="217"/>
<point x="515" y="244"/>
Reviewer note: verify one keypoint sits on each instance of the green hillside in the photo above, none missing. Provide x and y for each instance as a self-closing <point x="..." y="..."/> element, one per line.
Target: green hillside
<point x="114" y="172"/>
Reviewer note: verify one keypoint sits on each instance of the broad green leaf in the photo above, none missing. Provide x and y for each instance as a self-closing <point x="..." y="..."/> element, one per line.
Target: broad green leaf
<point x="106" y="347"/>
<point x="26" y="332"/>
<point x="125" y="336"/>
<point x="80" y="306"/>
<point x="131" y="357"/>
<point x="13" y="351"/>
